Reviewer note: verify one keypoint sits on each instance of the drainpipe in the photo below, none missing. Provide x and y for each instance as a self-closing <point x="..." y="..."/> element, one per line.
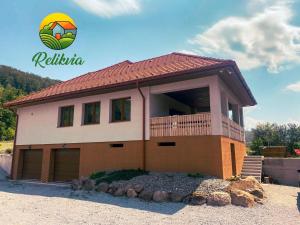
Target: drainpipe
<point x="14" y="148"/>
<point x="144" y="126"/>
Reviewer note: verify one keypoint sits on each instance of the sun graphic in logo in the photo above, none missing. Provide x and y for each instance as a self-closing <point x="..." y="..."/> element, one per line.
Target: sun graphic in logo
<point x="58" y="31"/>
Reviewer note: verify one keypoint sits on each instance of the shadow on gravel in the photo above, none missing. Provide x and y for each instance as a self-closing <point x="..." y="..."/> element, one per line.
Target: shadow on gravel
<point x="16" y="187"/>
<point x="298" y="201"/>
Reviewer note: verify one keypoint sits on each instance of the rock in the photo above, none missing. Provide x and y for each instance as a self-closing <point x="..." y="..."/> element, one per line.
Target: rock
<point x="131" y="193"/>
<point x="218" y="198"/>
<point x="88" y="185"/>
<point x="160" y="196"/>
<point x="127" y="187"/>
<point x="119" y="192"/>
<point x="241" y="198"/>
<point x="112" y="188"/>
<point x="76" y="185"/>
<point x="138" y="188"/>
<point x="102" y="187"/>
<point x="258" y="200"/>
<point x="257" y="193"/>
<point x="249" y="183"/>
<point x="176" y="197"/>
<point x="198" y="198"/>
<point x="146" y="195"/>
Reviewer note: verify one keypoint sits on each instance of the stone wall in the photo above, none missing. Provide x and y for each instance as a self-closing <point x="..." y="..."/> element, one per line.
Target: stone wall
<point x="5" y="162"/>
<point x="283" y="170"/>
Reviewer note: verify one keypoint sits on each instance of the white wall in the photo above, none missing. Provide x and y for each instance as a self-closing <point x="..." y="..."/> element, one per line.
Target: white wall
<point x="38" y="123"/>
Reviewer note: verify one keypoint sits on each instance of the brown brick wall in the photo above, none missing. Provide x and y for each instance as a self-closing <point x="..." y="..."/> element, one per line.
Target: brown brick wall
<point x="204" y="154"/>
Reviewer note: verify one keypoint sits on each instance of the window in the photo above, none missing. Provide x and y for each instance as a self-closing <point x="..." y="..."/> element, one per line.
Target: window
<point x="166" y="144"/>
<point x="117" y="145"/>
<point x="66" y="115"/>
<point x="91" y="114"/>
<point x="121" y="109"/>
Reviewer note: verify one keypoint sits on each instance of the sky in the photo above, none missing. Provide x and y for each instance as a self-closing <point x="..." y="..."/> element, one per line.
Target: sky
<point x="262" y="36"/>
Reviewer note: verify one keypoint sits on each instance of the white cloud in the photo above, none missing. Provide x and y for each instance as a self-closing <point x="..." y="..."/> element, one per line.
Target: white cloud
<point x="251" y="122"/>
<point x="265" y="38"/>
<point x="294" y="87"/>
<point x="110" y="8"/>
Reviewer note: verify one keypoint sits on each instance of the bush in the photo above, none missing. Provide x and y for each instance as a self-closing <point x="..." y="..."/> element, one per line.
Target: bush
<point x="109" y="177"/>
<point x="8" y="151"/>
<point x="196" y="175"/>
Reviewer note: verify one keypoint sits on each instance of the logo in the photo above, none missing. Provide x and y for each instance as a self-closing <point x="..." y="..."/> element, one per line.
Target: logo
<point x="58" y="31"/>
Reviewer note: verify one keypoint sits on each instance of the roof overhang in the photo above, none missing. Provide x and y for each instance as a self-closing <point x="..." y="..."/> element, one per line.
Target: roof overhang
<point x="227" y="71"/>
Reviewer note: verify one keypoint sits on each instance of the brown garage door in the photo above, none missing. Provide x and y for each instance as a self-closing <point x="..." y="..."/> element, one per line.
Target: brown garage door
<point x="32" y="164"/>
<point x="66" y="164"/>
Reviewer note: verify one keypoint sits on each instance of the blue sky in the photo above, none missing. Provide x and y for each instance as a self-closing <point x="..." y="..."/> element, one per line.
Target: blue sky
<point x="263" y="36"/>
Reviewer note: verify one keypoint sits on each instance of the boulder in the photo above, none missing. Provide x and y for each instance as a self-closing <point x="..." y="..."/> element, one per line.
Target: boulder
<point x="76" y="185"/>
<point x="176" y="197"/>
<point x="131" y="193"/>
<point x="160" y="196"/>
<point x="112" y="188"/>
<point x="247" y="184"/>
<point x="257" y="193"/>
<point x="138" y="188"/>
<point x="241" y="198"/>
<point x="146" y="195"/>
<point x="198" y="198"/>
<point x="88" y="185"/>
<point x="119" y="192"/>
<point x="102" y="187"/>
<point x="128" y="186"/>
<point x="218" y="198"/>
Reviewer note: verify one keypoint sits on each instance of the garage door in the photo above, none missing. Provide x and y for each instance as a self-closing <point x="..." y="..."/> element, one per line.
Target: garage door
<point x="66" y="164"/>
<point x="32" y="164"/>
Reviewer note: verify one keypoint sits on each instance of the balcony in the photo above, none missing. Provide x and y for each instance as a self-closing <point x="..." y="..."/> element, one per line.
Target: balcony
<point x="193" y="125"/>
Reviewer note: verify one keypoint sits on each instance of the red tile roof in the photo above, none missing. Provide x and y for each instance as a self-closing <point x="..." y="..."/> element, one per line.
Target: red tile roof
<point x="124" y="73"/>
<point x="64" y="24"/>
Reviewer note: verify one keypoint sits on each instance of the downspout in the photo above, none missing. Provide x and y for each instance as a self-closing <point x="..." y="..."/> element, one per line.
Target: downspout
<point x="144" y="127"/>
<point x="14" y="148"/>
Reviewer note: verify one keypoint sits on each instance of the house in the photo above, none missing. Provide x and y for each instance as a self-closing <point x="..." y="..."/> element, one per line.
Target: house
<point x="176" y="112"/>
<point x="59" y="28"/>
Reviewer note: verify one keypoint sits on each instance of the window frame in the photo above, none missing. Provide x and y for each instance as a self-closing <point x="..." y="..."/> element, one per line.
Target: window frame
<point x="112" y="119"/>
<point x="83" y="122"/>
<point x="59" y="125"/>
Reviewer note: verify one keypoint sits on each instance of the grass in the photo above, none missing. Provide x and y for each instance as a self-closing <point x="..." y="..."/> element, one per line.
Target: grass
<point x="4" y="145"/>
<point x="109" y="177"/>
<point x="65" y="42"/>
<point x="50" y="41"/>
<point x="195" y="175"/>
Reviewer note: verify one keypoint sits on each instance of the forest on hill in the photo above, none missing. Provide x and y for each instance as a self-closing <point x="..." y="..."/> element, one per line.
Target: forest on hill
<point x="14" y="84"/>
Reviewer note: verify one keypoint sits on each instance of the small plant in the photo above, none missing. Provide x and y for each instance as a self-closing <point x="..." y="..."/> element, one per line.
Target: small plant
<point x="195" y="175"/>
<point x="8" y="151"/>
<point x="109" y="177"/>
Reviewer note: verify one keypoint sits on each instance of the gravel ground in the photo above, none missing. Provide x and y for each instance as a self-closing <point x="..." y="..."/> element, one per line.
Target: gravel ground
<point x="43" y="204"/>
<point x="176" y="183"/>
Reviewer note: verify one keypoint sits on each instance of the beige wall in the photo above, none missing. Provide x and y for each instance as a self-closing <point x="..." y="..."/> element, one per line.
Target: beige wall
<point x="38" y="123"/>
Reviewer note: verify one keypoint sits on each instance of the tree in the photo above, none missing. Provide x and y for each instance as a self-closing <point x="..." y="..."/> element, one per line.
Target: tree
<point x="273" y="134"/>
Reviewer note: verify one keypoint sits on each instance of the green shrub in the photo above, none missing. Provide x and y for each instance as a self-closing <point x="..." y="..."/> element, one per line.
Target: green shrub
<point x="195" y="175"/>
<point x="109" y="177"/>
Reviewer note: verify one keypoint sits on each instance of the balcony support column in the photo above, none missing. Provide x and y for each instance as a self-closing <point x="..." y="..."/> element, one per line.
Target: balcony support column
<point x="215" y="106"/>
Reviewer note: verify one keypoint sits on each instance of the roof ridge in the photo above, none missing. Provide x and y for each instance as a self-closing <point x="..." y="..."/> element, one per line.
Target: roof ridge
<point x="201" y="57"/>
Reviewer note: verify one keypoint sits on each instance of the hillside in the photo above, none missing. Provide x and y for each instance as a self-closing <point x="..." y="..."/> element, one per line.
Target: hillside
<point x="13" y="84"/>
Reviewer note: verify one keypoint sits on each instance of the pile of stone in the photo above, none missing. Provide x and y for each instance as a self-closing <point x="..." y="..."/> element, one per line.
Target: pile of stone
<point x="196" y="191"/>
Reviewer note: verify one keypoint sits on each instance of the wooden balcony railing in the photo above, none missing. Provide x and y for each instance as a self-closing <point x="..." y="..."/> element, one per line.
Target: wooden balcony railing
<point x="184" y="125"/>
<point x="232" y="129"/>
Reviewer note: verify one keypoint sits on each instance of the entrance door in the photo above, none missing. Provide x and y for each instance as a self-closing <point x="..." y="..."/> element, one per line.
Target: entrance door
<point x="233" y="161"/>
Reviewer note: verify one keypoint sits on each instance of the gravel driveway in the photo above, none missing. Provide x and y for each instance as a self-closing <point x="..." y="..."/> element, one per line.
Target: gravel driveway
<point x="43" y="204"/>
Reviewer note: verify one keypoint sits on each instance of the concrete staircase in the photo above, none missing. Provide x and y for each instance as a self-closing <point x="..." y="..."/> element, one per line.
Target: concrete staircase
<point x="252" y="166"/>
